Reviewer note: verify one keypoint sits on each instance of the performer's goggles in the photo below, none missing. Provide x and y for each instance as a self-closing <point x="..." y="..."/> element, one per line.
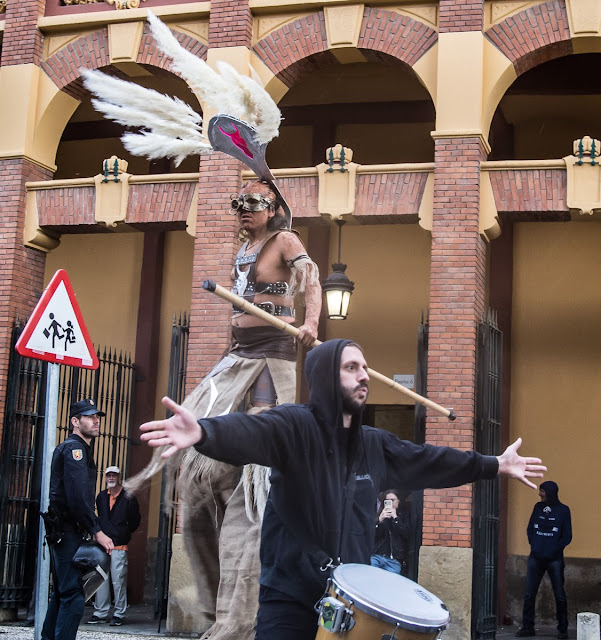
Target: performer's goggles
<point x="250" y="202"/>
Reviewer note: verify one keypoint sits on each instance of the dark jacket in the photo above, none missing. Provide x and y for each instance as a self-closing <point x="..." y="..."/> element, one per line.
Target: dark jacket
<point x="392" y="536"/>
<point x="73" y="484"/>
<point x="324" y="478"/>
<point x="122" y="520"/>
<point x="550" y="525"/>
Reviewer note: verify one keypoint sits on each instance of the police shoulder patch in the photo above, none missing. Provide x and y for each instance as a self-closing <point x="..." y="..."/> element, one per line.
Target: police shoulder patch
<point x="77" y="454"/>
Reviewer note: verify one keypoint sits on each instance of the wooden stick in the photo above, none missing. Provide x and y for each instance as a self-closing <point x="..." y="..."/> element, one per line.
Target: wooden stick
<point x="248" y="307"/>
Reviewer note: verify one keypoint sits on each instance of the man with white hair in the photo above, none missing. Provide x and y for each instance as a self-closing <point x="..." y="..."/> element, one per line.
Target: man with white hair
<point x="119" y="516"/>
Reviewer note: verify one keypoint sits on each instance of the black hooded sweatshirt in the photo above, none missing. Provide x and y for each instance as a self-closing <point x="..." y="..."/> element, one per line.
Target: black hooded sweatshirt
<point x="324" y="478"/>
<point x="550" y="525"/>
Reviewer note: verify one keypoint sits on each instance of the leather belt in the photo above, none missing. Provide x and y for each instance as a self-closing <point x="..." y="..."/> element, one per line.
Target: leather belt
<point x="272" y="309"/>
<point x="276" y="309"/>
<point x="276" y="288"/>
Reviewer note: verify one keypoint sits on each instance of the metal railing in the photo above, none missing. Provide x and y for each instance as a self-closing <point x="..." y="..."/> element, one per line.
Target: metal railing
<point x="176" y="389"/>
<point x="486" y="492"/>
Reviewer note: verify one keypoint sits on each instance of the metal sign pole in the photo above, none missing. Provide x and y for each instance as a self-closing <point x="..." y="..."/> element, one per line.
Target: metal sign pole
<point x="43" y="568"/>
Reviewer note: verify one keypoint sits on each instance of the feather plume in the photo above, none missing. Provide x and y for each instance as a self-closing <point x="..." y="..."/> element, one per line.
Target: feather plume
<point x="227" y="91"/>
<point x="155" y="145"/>
<point x="257" y="108"/>
<point x="132" y="96"/>
<point x="200" y="77"/>
<point x="171" y="127"/>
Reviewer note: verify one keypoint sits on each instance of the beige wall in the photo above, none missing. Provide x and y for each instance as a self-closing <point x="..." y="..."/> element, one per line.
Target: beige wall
<point x="104" y="270"/>
<point x="390" y="266"/>
<point x="556" y="372"/>
<point x="177" y="289"/>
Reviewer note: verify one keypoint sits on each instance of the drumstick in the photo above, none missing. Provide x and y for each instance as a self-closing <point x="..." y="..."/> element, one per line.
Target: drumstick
<point x="248" y="307"/>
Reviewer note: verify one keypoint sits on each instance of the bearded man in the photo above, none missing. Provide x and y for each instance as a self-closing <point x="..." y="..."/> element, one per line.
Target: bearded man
<point x="327" y="469"/>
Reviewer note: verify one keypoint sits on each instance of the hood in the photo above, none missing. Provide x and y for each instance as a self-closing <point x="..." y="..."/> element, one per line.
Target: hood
<point x="551" y="490"/>
<point x="322" y="371"/>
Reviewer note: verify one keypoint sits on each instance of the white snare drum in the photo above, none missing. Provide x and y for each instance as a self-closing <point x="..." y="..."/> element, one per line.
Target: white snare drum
<point x="367" y="603"/>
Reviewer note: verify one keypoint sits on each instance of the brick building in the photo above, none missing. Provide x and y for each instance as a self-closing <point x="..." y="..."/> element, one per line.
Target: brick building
<point x="464" y="193"/>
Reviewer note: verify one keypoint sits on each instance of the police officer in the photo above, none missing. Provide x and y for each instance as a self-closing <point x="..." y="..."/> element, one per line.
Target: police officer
<point x="72" y="489"/>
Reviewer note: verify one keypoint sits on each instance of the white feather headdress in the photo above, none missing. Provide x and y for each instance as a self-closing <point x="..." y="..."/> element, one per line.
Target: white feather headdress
<point x="170" y="127"/>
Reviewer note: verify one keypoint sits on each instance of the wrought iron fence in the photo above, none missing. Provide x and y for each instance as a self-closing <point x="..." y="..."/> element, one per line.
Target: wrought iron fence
<point x="176" y="389"/>
<point x="486" y="492"/>
<point x="112" y="387"/>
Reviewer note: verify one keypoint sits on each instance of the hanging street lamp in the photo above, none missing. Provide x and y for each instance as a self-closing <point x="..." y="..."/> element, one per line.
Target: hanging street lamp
<point x="337" y="287"/>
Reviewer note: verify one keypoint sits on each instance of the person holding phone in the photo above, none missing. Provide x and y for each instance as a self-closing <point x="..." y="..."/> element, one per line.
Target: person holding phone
<point x="392" y="533"/>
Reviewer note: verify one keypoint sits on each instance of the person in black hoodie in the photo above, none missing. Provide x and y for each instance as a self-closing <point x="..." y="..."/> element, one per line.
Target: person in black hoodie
<point x="549" y="533"/>
<point x="326" y="472"/>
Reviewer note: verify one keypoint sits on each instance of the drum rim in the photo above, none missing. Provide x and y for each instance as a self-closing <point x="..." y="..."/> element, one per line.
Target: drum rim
<point x="376" y="612"/>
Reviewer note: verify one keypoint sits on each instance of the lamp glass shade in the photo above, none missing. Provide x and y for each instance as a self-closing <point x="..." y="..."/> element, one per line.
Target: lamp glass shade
<point x="337" y="302"/>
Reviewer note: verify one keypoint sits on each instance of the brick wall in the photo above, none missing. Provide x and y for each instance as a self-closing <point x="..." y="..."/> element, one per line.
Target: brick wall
<point x="288" y="51"/>
<point x="457" y="286"/>
<point x="21" y="40"/>
<point x="460" y="15"/>
<point x="21" y="269"/>
<point x="534" y="36"/>
<point x="215" y="246"/>
<point x="396" y="35"/>
<point x="230" y="24"/>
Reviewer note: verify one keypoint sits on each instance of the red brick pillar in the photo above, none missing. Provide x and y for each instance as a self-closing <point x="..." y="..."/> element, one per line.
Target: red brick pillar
<point x="457" y="282"/>
<point x="22" y="269"/>
<point x="215" y="247"/>
<point x="230" y="24"/>
<point x="216" y="242"/>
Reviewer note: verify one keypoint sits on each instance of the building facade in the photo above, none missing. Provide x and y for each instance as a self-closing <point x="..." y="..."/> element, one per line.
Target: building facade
<point x="465" y="191"/>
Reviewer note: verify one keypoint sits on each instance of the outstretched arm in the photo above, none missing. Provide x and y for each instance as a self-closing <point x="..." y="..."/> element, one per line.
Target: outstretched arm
<point x="180" y="431"/>
<point x="513" y="465"/>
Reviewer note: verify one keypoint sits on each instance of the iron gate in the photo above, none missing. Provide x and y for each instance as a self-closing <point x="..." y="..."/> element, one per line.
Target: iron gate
<point x="417" y="498"/>
<point x="486" y="492"/>
<point x="176" y="390"/>
<point x="111" y="386"/>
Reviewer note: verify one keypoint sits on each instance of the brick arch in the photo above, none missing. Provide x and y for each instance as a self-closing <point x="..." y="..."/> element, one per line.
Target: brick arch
<point x="395" y="35"/>
<point x="92" y="52"/>
<point x="533" y="36"/>
<point x="298" y="47"/>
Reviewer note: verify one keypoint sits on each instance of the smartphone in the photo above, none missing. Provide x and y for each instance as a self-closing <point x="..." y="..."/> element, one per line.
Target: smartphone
<point x="387" y="504"/>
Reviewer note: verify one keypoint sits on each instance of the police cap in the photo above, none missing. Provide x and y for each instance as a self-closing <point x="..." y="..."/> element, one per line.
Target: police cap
<point x="85" y="408"/>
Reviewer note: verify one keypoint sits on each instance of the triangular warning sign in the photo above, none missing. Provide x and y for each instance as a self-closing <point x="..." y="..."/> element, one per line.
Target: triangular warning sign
<point x="56" y="331"/>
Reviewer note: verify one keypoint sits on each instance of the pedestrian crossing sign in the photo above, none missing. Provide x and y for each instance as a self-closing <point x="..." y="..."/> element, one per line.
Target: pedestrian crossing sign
<point x="56" y="331"/>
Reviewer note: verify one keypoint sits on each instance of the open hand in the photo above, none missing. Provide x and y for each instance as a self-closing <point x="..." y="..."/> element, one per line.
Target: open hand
<point x="180" y="431"/>
<point x="513" y="465"/>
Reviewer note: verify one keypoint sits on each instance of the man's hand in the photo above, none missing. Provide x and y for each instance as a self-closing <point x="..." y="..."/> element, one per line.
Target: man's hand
<point x="307" y="334"/>
<point x="513" y="465"/>
<point x="180" y="431"/>
<point x="104" y="541"/>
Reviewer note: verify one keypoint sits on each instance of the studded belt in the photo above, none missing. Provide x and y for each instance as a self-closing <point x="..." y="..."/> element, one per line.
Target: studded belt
<point x="277" y="288"/>
<point x="276" y="309"/>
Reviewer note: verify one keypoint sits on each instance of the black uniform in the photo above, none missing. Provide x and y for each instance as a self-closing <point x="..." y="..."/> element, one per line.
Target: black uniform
<point x="72" y="489"/>
<point x="73" y="484"/>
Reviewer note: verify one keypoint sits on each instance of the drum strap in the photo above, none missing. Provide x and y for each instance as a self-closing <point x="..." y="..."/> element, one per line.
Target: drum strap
<point x="348" y="508"/>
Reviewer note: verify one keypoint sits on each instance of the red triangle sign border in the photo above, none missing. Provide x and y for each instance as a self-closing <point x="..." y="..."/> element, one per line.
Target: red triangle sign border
<point x="59" y="277"/>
